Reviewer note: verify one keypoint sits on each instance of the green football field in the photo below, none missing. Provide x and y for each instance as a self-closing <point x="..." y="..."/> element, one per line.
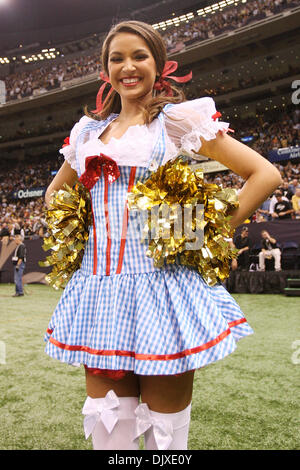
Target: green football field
<point x="249" y="400"/>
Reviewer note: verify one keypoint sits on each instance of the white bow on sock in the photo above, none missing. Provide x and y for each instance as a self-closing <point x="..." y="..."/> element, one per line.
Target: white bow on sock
<point x="111" y="422"/>
<point x="163" y="430"/>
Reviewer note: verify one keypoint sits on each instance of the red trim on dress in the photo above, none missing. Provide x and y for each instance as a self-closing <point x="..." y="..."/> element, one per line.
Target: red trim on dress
<point x="95" y="241"/>
<point x="231" y="324"/>
<point x="107" y="226"/>
<point x="125" y="222"/>
<point x="109" y="373"/>
<point x="149" y="357"/>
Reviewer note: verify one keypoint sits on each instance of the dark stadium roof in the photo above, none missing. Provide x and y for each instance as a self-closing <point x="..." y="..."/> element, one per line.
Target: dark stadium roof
<point x="24" y="20"/>
<point x="24" y="15"/>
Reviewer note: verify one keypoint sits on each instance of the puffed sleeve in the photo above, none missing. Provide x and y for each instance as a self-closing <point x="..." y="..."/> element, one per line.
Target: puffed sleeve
<point x="188" y="121"/>
<point x="68" y="150"/>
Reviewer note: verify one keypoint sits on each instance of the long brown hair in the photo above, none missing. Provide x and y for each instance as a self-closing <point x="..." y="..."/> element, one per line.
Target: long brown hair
<point x="158" y="49"/>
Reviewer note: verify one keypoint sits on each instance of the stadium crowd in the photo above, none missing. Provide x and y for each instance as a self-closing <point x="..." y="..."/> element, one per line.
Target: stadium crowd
<point x="236" y="85"/>
<point x="274" y="130"/>
<point x="26" y="216"/>
<point x="268" y="132"/>
<point x="226" y="20"/>
<point x="42" y="79"/>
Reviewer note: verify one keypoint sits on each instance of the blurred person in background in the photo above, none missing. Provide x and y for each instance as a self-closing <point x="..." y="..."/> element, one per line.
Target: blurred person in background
<point x="19" y="261"/>
<point x="293" y="185"/>
<point x="283" y="208"/>
<point x="296" y="203"/>
<point x="274" y="200"/>
<point x="269" y="250"/>
<point x="4" y="234"/>
<point x="263" y="213"/>
<point x="243" y="243"/>
<point x="286" y="190"/>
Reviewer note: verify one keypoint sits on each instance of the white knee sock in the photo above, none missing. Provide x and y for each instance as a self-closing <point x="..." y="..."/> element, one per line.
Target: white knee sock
<point x="163" y="430"/>
<point x="111" y="421"/>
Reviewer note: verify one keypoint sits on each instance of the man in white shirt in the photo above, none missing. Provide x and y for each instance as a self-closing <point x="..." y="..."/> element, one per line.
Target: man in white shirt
<point x="269" y="250"/>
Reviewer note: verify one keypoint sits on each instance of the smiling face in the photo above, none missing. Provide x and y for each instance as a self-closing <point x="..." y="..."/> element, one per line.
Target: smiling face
<point x="131" y="67"/>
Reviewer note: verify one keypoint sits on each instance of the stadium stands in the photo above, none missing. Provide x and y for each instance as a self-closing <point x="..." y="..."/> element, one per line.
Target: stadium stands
<point x="39" y="78"/>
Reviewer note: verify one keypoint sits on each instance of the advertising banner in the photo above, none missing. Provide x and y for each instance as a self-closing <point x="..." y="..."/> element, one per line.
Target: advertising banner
<point x="26" y="193"/>
<point x="286" y="153"/>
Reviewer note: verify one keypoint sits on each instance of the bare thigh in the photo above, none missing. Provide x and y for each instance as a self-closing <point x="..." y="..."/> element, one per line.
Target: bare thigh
<point x="163" y="393"/>
<point x="167" y="393"/>
<point x="97" y="386"/>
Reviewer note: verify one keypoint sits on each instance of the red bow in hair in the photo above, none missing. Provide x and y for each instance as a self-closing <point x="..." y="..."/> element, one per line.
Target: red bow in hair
<point x="99" y="104"/>
<point x="93" y="169"/>
<point x="162" y="84"/>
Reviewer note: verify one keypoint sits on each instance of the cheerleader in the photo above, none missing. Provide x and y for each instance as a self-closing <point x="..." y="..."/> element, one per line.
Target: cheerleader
<point x="141" y="331"/>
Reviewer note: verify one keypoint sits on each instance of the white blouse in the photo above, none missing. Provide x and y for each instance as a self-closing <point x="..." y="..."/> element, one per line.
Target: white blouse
<point x="184" y="123"/>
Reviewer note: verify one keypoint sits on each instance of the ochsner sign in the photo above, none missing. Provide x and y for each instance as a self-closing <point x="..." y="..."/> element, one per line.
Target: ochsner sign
<point x="28" y="192"/>
<point x="285" y="153"/>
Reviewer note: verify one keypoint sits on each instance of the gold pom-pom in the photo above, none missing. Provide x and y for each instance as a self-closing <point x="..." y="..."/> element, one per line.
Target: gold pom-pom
<point x="68" y="218"/>
<point x="204" y="212"/>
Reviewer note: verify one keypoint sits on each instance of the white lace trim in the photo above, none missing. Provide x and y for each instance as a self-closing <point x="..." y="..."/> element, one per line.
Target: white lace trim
<point x="69" y="154"/>
<point x="68" y="151"/>
<point x="207" y="130"/>
<point x="134" y="148"/>
<point x="136" y="137"/>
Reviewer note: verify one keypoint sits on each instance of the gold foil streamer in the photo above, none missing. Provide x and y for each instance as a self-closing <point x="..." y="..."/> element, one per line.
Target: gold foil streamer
<point x="68" y="219"/>
<point x="177" y="183"/>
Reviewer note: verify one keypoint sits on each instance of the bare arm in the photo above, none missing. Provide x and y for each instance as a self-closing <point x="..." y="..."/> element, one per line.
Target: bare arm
<point x="295" y="205"/>
<point x="244" y="249"/>
<point x="290" y="211"/>
<point x="66" y="174"/>
<point x="262" y="178"/>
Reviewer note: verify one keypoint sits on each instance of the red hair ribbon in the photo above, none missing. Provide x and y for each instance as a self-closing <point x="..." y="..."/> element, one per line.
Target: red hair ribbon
<point x="93" y="170"/>
<point x="99" y="104"/>
<point x="66" y="142"/>
<point x="162" y="84"/>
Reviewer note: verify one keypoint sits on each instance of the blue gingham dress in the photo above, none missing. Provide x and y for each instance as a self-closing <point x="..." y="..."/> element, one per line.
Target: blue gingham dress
<point x="120" y="312"/>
